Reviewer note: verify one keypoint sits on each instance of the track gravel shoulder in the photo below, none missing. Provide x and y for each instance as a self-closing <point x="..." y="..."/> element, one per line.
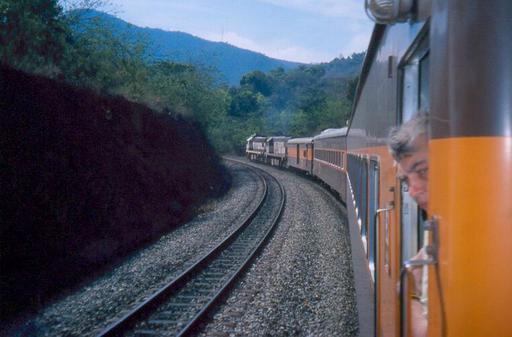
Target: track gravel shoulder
<point x="302" y="284"/>
<point x="88" y="309"/>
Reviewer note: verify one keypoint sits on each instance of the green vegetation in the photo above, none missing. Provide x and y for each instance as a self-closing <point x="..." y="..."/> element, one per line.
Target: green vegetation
<point x="298" y="102"/>
<point x="83" y="49"/>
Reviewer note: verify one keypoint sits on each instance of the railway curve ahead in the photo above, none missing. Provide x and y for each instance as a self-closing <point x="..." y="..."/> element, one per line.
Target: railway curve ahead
<point x="303" y="282"/>
<point x="178" y="308"/>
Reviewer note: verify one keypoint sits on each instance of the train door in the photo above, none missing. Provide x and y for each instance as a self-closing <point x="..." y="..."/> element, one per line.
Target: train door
<point x="364" y="203"/>
<point x="372" y="207"/>
<point x="308" y="158"/>
<point x="414" y="70"/>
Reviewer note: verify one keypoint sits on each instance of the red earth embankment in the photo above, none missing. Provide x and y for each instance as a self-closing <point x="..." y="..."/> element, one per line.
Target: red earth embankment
<point x="85" y="179"/>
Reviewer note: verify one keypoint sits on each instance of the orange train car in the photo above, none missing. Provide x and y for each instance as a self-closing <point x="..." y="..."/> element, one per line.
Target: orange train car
<point x="329" y="159"/>
<point x="452" y="58"/>
<point x="300" y="154"/>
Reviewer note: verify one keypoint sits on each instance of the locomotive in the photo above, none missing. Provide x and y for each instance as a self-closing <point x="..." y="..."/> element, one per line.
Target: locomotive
<point x="453" y="59"/>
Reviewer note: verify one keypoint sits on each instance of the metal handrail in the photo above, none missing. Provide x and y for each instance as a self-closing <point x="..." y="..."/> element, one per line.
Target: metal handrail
<point x="390" y="207"/>
<point x="408" y="265"/>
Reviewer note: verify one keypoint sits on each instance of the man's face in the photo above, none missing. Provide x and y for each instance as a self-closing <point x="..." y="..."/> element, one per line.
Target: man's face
<point x="413" y="170"/>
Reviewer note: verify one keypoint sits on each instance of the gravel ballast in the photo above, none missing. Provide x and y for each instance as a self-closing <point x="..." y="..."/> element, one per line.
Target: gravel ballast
<point x="301" y="284"/>
<point x="88" y="309"/>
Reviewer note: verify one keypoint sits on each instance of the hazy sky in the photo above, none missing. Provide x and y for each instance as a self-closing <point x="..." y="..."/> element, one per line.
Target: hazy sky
<point x="309" y="31"/>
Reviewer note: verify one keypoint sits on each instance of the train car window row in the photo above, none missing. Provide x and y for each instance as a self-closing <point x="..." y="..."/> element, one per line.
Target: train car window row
<point x="332" y="157"/>
<point x="364" y="176"/>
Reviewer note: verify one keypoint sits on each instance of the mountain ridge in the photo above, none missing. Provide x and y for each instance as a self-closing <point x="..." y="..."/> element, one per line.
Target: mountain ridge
<point x="229" y="61"/>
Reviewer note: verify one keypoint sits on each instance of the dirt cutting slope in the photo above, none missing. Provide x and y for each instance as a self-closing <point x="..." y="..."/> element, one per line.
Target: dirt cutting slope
<point x="85" y="178"/>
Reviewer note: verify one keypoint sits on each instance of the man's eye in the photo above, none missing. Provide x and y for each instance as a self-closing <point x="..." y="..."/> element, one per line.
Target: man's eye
<point x="422" y="173"/>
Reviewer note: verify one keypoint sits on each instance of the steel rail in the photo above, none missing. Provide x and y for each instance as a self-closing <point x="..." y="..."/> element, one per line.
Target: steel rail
<point x="198" y="319"/>
<point x="146" y="307"/>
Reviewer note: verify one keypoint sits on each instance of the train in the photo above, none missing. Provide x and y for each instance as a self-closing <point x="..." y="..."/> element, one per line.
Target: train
<point x="453" y="59"/>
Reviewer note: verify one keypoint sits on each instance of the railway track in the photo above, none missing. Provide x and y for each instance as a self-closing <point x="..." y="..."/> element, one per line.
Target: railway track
<point x="179" y="308"/>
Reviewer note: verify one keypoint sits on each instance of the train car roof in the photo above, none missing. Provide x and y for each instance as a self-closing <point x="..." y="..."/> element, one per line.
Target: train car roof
<point x="305" y="140"/>
<point x="278" y="138"/>
<point x="255" y="136"/>
<point x="259" y="139"/>
<point x="332" y="133"/>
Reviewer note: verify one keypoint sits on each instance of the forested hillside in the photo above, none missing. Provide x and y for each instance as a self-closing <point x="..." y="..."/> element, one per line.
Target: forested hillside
<point x="225" y="62"/>
<point x="37" y="36"/>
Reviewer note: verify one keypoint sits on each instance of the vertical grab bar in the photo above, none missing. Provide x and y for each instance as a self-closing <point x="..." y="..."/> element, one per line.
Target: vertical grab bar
<point x="407" y="267"/>
<point x="390" y="207"/>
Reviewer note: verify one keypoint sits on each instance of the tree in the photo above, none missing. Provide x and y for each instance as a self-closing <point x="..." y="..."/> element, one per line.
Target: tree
<point x="33" y="35"/>
<point x="351" y="90"/>
<point x="104" y="58"/>
<point x="257" y="81"/>
<point x="244" y="102"/>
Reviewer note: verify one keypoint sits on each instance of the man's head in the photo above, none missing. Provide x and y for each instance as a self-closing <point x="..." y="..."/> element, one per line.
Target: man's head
<point x="408" y="144"/>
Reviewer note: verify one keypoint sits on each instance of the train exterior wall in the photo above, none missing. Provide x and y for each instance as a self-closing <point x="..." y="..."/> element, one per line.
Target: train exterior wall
<point x="300" y="154"/>
<point x="255" y="148"/>
<point x="330" y="163"/>
<point x="371" y="174"/>
<point x="275" y="151"/>
<point x="470" y="182"/>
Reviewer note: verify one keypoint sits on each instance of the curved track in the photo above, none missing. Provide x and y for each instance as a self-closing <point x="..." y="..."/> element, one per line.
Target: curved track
<point x="178" y="308"/>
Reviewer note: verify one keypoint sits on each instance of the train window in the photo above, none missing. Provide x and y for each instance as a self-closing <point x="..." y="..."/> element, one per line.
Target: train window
<point x="410" y="232"/>
<point x="424" y="92"/>
<point x="409" y="91"/>
<point x="414" y="71"/>
<point x="414" y="77"/>
<point x="414" y="81"/>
